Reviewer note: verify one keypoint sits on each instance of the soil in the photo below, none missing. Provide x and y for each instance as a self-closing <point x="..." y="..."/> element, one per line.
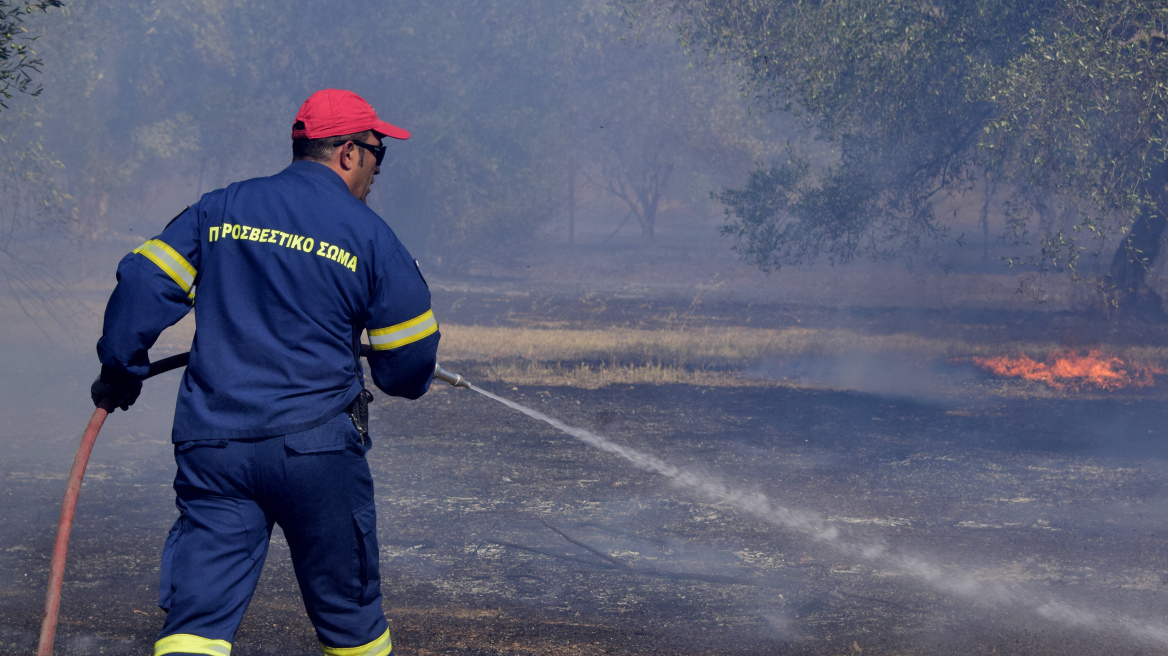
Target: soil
<point x="501" y="535"/>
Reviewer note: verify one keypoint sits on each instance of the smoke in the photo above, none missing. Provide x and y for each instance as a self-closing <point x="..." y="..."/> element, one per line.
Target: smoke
<point x="975" y="588"/>
<point x="903" y="374"/>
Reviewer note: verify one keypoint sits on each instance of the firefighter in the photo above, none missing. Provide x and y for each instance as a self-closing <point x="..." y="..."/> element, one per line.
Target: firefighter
<point x="289" y="270"/>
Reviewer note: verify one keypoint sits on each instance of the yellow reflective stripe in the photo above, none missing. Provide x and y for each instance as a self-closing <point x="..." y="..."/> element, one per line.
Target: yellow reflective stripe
<point x="171" y="262"/>
<point x="169" y="253"/>
<point x="382" y="339"/>
<point x="379" y="647"/>
<point x="185" y="643"/>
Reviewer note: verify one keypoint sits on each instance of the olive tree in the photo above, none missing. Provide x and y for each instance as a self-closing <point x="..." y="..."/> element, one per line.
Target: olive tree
<point x="18" y="61"/>
<point x="1060" y="100"/>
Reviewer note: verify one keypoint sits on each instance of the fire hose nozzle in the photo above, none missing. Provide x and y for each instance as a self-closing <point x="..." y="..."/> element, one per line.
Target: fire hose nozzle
<point x="448" y="377"/>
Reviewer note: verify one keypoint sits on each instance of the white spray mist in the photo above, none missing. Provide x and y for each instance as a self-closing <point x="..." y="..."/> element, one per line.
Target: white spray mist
<point x="996" y="593"/>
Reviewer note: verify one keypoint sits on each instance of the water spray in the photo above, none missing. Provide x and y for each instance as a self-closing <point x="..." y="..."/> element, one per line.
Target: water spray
<point x="821" y="530"/>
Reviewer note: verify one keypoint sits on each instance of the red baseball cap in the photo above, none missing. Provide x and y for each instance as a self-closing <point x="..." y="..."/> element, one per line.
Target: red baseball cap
<point x="335" y="112"/>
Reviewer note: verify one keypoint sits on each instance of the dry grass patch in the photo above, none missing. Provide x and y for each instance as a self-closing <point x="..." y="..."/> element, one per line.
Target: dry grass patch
<point x="705" y="347"/>
<point x="695" y="347"/>
<point x="711" y="356"/>
<point x="589" y="376"/>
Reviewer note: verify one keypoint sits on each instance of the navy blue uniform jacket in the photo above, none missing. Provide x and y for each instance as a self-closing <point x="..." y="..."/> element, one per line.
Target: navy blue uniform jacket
<point x="284" y="273"/>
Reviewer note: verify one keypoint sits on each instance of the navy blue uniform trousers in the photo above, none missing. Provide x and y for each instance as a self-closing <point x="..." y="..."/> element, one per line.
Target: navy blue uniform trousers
<point x="316" y="485"/>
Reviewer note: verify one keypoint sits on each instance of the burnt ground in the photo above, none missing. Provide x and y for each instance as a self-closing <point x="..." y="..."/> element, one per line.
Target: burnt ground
<point x="501" y="535"/>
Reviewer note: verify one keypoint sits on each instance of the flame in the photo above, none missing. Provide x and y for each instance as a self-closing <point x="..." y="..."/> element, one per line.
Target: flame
<point x="1070" y="370"/>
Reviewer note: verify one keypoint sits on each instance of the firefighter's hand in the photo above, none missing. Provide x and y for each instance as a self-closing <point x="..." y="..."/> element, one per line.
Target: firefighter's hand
<point x="119" y="387"/>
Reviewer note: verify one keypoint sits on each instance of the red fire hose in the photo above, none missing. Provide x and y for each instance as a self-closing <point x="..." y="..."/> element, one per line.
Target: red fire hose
<point x="72" y="490"/>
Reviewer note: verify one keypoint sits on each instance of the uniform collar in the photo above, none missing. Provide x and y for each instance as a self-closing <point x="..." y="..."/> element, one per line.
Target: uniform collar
<point x="317" y="170"/>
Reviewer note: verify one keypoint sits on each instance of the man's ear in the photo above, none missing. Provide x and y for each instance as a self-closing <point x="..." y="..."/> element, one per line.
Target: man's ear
<point x="346" y="154"/>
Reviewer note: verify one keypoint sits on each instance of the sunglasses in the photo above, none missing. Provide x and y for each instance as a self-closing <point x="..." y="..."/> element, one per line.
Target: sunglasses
<point x="378" y="151"/>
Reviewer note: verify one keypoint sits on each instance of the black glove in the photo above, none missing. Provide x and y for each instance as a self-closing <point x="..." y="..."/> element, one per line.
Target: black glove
<point x="119" y="387"/>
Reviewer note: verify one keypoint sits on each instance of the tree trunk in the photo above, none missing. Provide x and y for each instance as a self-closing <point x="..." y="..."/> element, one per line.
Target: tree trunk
<point x="985" y="219"/>
<point x="1046" y="215"/>
<point x="1130" y="293"/>
<point x="647" y="231"/>
<point x="572" y="200"/>
<point x="648" y="217"/>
